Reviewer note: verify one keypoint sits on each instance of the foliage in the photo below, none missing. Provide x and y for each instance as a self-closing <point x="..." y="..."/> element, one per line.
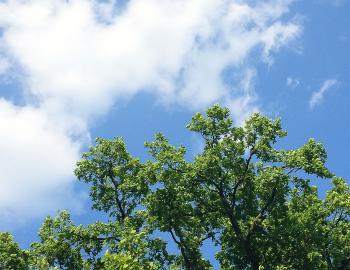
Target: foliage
<point x="242" y="194"/>
<point x="11" y="256"/>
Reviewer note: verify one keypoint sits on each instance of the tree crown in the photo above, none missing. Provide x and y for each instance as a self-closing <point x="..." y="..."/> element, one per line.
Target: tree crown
<point x="242" y="194"/>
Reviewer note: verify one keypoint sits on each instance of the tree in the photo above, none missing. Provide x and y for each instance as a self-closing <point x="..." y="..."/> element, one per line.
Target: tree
<point x="11" y="256"/>
<point x="242" y="194"/>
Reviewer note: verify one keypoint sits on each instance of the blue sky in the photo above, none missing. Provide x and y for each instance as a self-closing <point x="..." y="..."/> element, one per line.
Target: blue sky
<point x="71" y="71"/>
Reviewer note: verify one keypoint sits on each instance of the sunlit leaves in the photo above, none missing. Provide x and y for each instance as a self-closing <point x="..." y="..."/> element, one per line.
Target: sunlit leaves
<point x="242" y="194"/>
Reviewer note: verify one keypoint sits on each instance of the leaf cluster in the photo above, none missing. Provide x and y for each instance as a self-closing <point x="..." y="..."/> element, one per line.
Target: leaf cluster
<point x="242" y="194"/>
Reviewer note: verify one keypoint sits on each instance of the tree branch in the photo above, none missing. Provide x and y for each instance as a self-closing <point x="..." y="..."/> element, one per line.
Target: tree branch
<point x="119" y="203"/>
<point x="242" y="178"/>
<point x="261" y="216"/>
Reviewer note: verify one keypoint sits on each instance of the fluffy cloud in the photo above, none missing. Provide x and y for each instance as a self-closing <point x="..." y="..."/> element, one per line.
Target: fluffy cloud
<point x="4" y="65"/>
<point x="77" y="58"/>
<point x="178" y="49"/>
<point x="318" y="96"/>
<point x="244" y="104"/>
<point x="36" y="158"/>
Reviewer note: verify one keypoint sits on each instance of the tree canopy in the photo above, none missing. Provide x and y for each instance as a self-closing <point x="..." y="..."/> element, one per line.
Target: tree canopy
<point x="242" y="197"/>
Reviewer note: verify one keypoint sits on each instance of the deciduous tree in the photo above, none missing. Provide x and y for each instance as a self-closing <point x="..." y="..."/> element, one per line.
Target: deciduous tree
<point x="242" y="194"/>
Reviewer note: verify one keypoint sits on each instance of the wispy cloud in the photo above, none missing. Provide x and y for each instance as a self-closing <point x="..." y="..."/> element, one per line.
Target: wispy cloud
<point x="292" y="82"/>
<point x="318" y="96"/>
<point x="78" y="58"/>
<point x="338" y="3"/>
<point x="334" y="3"/>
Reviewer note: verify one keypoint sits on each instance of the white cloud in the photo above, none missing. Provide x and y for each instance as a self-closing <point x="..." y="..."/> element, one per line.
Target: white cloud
<point x="74" y="61"/>
<point x="318" y="96"/>
<point x="292" y="82"/>
<point x="77" y="58"/>
<point x="244" y="104"/>
<point x="4" y="65"/>
<point x="36" y="162"/>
